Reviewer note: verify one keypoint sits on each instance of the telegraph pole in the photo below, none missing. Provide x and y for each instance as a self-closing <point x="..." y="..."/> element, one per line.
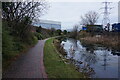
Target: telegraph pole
<point x="119" y="12"/>
<point x="106" y="13"/>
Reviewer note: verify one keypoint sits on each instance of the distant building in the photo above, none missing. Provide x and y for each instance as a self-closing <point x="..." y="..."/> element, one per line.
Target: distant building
<point x="84" y="28"/>
<point x="92" y="28"/>
<point x="116" y="27"/>
<point x="49" y="24"/>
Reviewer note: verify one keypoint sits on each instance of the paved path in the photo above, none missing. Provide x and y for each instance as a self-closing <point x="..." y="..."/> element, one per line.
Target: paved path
<point x="28" y="65"/>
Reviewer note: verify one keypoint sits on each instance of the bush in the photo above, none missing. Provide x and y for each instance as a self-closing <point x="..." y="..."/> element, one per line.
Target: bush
<point x="12" y="45"/>
<point x="83" y="34"/>
<point x="7" y="44"/>
<point x="35" y="40"/>
<point x="39" y="36"/>
<point x="65" y="32"/>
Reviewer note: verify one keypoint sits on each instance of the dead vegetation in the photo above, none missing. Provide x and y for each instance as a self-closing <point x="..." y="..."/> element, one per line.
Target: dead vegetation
<point x="59" y="47"/>
<point x="110" y="41"/>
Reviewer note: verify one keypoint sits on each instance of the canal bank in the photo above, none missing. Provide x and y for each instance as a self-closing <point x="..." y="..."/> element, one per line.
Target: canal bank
<point x="54" y="65"/>
<point x="111" y="41"/>
<point x="93" y="60"/>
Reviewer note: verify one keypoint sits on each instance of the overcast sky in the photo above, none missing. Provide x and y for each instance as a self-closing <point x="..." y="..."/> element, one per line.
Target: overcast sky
<point x="68" y="13"/>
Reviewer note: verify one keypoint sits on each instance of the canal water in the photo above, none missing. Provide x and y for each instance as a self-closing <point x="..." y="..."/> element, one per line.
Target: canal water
<point x="93" y="60"/>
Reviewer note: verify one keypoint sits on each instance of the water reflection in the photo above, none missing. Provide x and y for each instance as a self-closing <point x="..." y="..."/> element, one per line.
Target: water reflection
<point x="91" y="59"/>
<point x="105" y="59"/>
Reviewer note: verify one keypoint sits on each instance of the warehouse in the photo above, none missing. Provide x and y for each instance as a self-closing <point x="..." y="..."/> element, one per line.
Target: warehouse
<point x="48" y="24"/>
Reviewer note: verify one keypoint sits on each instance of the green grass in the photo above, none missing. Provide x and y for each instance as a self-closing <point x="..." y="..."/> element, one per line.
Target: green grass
<point x="54" y="66"/>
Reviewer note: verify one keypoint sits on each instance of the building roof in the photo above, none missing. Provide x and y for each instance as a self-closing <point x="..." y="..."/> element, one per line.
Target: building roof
<point x="50" y="22"/>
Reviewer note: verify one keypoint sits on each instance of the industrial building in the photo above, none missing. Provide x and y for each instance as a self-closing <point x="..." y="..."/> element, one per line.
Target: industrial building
<point x="48" y="24"/>
<point x="92" y="28"/>
<point x="116" y="27"/>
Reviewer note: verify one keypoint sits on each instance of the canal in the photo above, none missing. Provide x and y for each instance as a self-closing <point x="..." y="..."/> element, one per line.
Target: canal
<point x="93" y="60"/>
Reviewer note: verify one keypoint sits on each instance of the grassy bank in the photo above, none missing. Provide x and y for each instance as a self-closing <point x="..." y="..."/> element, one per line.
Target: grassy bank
<point x="55" y="67"/>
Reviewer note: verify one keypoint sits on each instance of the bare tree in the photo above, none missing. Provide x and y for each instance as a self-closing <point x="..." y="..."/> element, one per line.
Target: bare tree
<point x="18" y="10"/>
<point x="20" y="15"/>
<point x="89" y="18"/>
<point x="75" y="28"/>
<point x="74" y="32"/>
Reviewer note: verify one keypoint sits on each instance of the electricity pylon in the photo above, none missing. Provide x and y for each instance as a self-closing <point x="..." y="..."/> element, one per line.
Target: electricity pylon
<point x="106" y="13"/>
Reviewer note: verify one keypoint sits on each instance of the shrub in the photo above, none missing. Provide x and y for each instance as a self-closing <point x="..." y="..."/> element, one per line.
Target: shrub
<point x="12" y="45"/>
<point x="7" y="44"/>
<point x="83" y="34"/>
<point x="35" y="40"/>
<point x="39" y="36"/>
